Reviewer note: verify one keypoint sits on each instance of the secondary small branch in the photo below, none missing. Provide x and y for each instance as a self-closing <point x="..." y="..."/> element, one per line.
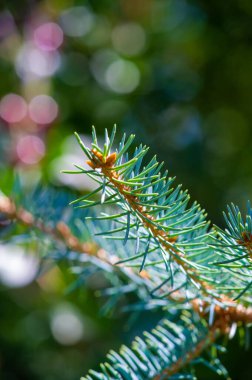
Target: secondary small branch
<point x="61" y="232"/>
<point x="224" y="318"/>
<point x="196" y="351"/>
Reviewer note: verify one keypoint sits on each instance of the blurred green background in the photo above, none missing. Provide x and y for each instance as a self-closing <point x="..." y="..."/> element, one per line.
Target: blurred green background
<point x="177" y="73"/>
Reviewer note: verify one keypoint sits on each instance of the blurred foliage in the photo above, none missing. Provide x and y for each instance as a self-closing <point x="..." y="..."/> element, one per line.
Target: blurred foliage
<point x="175" y="72"/>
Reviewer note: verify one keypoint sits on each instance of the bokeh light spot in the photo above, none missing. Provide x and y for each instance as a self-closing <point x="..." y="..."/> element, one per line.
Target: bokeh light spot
<point x="17" y="268"/>
<point x="129" y="39"/>
<point x="42" y="63"/>
<point x="101" y="34"/>
<point x="100" y="63"/>
<point x="13" y="108"/>
<point x="70" y="155"/>
<point x="43" y="109"/>
<point x="30" y="149"/>
<point x="66" y="325"/>
<point x="31" y="60"/>
<point x="48" y="36"/>
<point x="76" y="21"/>
<point x="122" y="76"/>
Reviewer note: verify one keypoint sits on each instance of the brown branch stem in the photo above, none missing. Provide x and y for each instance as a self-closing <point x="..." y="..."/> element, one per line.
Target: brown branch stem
<point x="60" y="233"/>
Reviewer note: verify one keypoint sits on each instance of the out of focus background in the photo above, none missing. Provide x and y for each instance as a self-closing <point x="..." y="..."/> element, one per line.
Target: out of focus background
<point x="177" y="73"/>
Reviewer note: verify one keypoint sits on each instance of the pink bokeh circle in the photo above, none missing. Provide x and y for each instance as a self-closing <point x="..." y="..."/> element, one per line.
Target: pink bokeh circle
<point x="43" y="109"/>
<point x="30" y="149"/>
<point x="48" y="36"/>
<point x="13" y="108"/>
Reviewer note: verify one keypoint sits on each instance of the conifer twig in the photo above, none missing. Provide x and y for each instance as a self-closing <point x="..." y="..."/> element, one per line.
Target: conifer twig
<point x="61" y="232"/>
<point x="223" y="322"/>
<point x="213" y="334"/>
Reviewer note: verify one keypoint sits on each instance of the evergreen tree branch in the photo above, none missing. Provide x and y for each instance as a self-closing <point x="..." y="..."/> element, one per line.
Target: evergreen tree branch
<point x="61" y="232"/>
<point x="125" y="190"/>
<point x="176" y="344"/>
<point x="186" y="348"/>
<point x="160" y="216"/>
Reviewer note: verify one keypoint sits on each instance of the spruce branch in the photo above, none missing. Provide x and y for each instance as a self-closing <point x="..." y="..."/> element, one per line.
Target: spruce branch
<point x="165" y="352"/>
<point x="61" y="232"/>
<point x="127" y="188"/>
<point x="154" y="212"/>
<point x="172" y="346"/>
<point x="159" y="227"/>
<point x="146" y="196"/>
